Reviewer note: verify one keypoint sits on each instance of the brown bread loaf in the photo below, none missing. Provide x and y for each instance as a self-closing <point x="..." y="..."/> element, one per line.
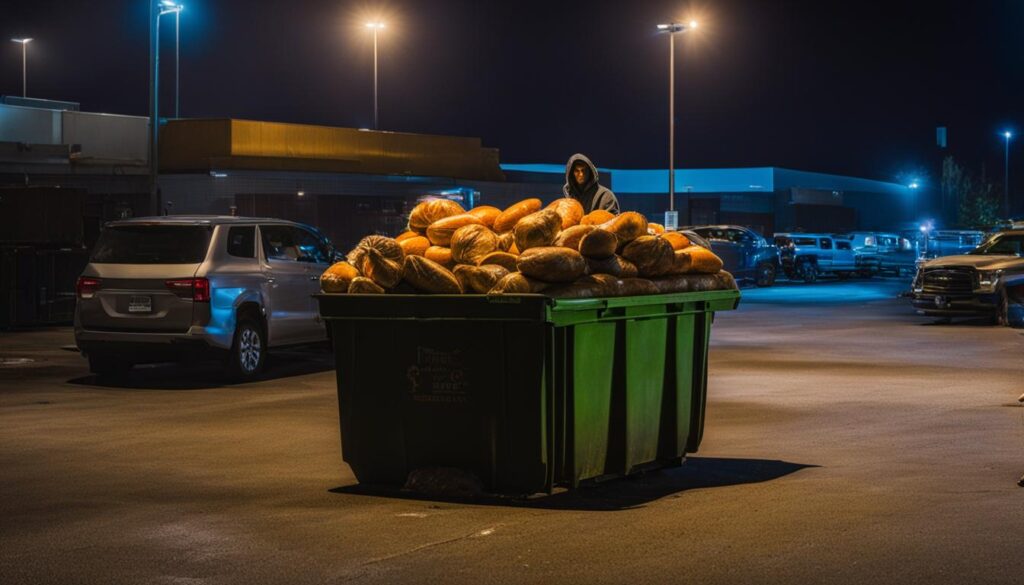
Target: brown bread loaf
<point x="537" y="229"/>
<point x="627" y="226"/>
<point x="517" y="283"/>
<point x="614" y="265"/>
<point x="655" y="229"/>
<point x="681" y="262"/>
<point x="430" y="277"/>
<point x="507" y="219"/>
<point x="381" y="270"/>
<point x="506" y="241"/>
<point x="337" y="278"/>
<point x="415" y="246"/>
<point x="470" y="243"/>
<point x="361" y="285"/>
<point x="599" y="243"/>
<point x="461" y="272"/>
<point x="426" y="213"/>
<point x="388" y="247"/>
<point x="678" y="240"/>
<point x="570" y="210"/>
<point x="681" y="283"/>
<point x="702" y="260"/>
<point x="441" y="255"/>
<point x="552" y="264"/>
<point x="652" y="255"/>
<point x="576" y="290"/>
<point x="503" y="259"/>
<point x="479" y="279"/>
<point x="632" y="287"/>
<point x="440" y="232"/>
<point x="721" y="280"/>
<point x="597" y="217"/>
<point x="486" y="214"/>
<point x="606" y="285"/>
<point x="673" y="283"/>
<point x="570" y="237"/>
<point x="405" y="236"/>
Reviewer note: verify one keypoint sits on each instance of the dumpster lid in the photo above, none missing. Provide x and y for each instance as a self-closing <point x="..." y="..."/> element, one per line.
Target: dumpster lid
<point x="509" y="307"/>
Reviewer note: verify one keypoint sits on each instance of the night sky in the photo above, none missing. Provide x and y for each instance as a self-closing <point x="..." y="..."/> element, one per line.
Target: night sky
<point x="846" y="87"/>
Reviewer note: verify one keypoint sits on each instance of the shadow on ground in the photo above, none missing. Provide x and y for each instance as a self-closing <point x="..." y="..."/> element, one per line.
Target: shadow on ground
<point x="297" y="361"/>
<point x="618" y="494"/>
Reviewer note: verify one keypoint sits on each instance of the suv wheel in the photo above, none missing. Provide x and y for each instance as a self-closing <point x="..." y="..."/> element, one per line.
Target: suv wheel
<point x="766" y="274"/>
<point x="104" y="366"/>
<point x="249" y="350"/>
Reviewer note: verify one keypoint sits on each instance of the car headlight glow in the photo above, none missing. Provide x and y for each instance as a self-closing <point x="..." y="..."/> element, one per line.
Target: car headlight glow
<point x="988" y="279"/>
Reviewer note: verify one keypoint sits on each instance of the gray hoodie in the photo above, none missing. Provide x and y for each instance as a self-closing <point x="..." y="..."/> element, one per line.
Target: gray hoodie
<point x="591" y="195"/>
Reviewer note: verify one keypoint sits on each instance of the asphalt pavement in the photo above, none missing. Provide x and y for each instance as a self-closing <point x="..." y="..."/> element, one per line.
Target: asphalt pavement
<point x="847" y="441"/>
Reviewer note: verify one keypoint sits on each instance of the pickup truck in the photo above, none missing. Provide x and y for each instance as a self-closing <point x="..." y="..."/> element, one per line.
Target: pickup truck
<point x="745" y="253"/>
<point x="985" y="281"/>
<point x="808" y="256"/>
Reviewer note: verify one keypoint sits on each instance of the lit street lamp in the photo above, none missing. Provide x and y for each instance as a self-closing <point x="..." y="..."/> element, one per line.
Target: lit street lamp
<point x="376" y="27"/>
<point x="1006" y="173"/>
<point x="169" y="7"/>
<point x="157" y="8"/>
<point x="24" y="64"/>
<point x="671" y="29"/>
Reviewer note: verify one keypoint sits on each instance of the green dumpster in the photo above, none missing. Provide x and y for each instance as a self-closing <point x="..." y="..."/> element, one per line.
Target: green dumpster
<point x="525" y="391"/>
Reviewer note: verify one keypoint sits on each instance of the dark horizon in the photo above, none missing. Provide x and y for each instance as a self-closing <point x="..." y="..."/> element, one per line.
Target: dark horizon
<point x="804" y="85"/>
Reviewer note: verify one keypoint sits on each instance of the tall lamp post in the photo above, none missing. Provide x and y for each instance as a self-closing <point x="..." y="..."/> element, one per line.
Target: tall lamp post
<point x="671" y="29"/>
<point x="24" y="64"/>
<point x="157" y="8"/>
<point x="376" y="27"/>
<point x="171" y="7"/>
<point x="1007" y="135"/>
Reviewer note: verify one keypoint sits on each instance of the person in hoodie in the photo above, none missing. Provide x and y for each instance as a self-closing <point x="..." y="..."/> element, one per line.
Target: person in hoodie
<point x="581" y="184"/>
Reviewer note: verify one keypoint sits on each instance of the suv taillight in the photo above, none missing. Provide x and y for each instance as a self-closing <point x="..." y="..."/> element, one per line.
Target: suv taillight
<point x="86" y="287"/>
<point x="197" y="289"/>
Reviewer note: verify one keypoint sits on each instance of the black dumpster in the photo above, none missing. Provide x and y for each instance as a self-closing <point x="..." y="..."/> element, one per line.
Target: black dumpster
<point x="525" y="391"/>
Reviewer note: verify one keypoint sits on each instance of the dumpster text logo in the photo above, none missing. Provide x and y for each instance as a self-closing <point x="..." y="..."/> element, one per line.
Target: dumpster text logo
<point x="438" y="376"/>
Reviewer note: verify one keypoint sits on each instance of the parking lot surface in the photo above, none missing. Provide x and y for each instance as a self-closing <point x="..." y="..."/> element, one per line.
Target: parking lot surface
<point x="847" y="441"/>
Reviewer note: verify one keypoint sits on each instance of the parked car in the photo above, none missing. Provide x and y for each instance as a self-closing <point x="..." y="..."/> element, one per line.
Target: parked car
<point x="168" y="288"/>
<point x="808" y="256"/>
<point x="746" y="254"/>
<point x="985" y="281"/>
<point x="883" y="252"/>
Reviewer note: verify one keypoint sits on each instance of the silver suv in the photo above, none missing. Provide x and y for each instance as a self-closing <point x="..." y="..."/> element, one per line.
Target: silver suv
<point x="171" y="288"/>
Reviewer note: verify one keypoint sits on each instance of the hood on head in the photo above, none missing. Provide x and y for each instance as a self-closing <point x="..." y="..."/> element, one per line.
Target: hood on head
<point x="569" y="181"/>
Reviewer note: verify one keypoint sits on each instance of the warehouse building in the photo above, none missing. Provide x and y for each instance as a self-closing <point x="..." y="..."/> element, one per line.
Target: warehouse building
<point x="766" y="199"/>
<point x="64" y="172"/>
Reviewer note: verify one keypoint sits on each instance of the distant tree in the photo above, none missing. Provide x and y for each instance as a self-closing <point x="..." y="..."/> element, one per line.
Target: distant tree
<point x="973" y="197"/>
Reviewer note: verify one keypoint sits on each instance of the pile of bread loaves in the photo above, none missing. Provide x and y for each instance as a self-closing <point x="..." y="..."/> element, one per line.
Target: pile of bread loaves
<point x="558" y="251"/>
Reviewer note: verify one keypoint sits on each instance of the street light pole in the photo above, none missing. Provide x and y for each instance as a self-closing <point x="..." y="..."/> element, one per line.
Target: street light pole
<point x="1006" y="173"/>
<point x="154" y="110"/>
<point x="376" y="27"/>
<point x="177" y="62"/>
<point x="24" y="64"/>
<point x="671" y="29"/>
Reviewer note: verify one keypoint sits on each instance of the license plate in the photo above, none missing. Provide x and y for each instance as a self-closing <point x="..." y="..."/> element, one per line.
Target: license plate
<point x="140" y="304"/>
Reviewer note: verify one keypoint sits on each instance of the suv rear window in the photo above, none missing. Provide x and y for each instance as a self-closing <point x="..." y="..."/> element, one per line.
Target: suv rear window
<point x="805" y="241"/>
<point x="152" y="244"/>
<point x="242" y="241"/>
